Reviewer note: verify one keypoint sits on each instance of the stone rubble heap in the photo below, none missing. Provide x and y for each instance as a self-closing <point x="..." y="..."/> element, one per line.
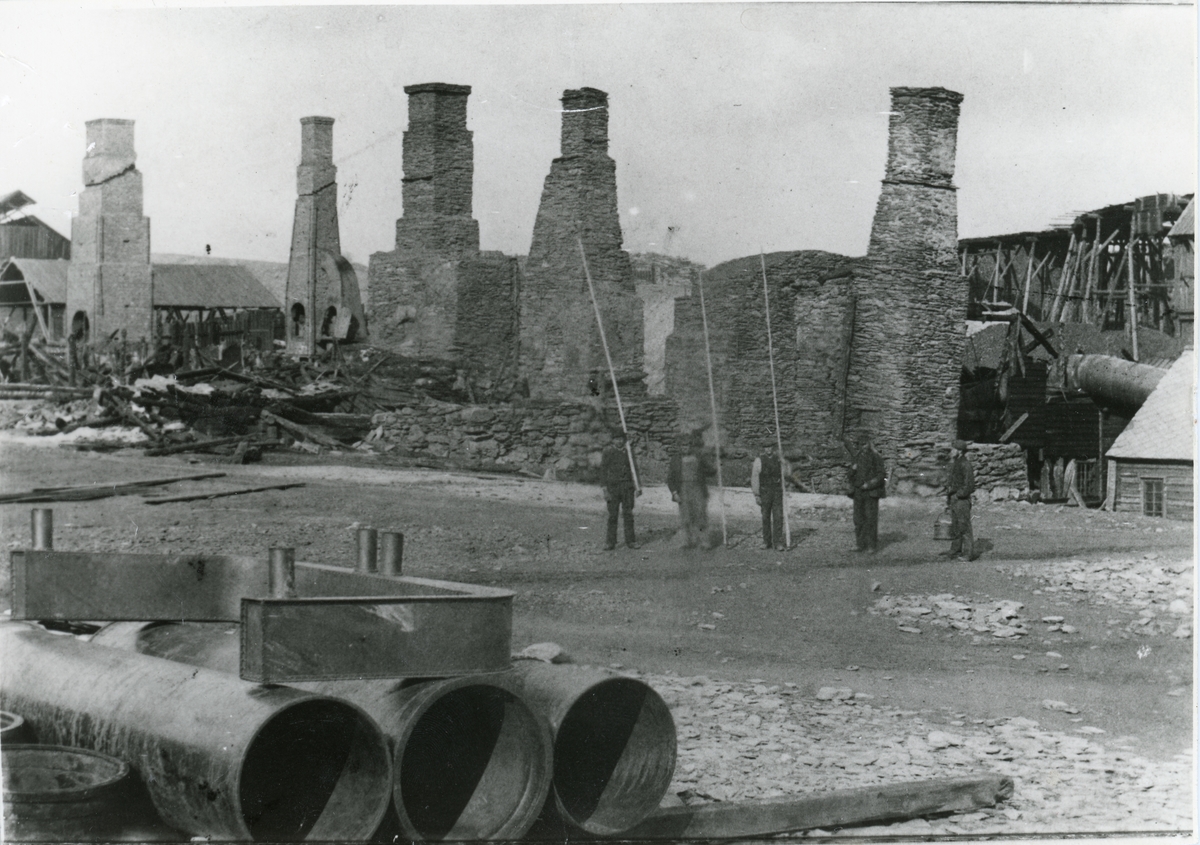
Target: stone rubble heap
<point x="999" y="618"/>
<point x="1159" y="591"/>
<point x="752" y="741"/>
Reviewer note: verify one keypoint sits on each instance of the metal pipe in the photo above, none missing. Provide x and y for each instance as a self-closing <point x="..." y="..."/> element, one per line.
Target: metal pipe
<point x="614" y="743"/>
<point x="41" y="526"/>
<point x="1113" y="379"/>
<point x="220" y="757"/>
<point x="391" y="552"/>
<point x="282" y="574"/>
<point x="366" y="557"/>
<point x="472" y="760"/>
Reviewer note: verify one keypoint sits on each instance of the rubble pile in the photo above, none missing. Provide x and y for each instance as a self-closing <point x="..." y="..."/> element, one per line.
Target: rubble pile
<point x="1160" y="592"/>
<point x="1001" y="618"/>
<point x="741" y="741"/>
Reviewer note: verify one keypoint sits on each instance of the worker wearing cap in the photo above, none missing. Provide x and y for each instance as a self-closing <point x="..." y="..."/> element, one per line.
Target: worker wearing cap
<point x="616" y="474"/>
<point x="959" y="487"/>
<point x="766" y="482"/>
<point x="868" y="484"/>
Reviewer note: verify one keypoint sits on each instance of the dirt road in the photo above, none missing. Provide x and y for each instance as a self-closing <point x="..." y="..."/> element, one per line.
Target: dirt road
<point x="818" y="616"/>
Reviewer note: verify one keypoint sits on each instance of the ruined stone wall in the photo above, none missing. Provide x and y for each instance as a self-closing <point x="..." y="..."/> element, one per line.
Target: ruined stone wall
<point x="566" y="437"/>
<point x="911" y="306"/>
<point x="110" y="279"/>
<point x="560" y="344"/>
<point x="811" y="299"/>
<point x="415" y="287"/>
<point x="487" y="326"/>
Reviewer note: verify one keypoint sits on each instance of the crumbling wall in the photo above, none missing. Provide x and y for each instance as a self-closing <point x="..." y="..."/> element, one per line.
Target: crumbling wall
<point x="415" y="287"/>
<point x="811" y="297"/>
<point x="911" y="304"/>
<point x="560" y="345"/>
<point x="109" y="280"/>
<point x="567" y="437"/>
<point x="487" y="326"/>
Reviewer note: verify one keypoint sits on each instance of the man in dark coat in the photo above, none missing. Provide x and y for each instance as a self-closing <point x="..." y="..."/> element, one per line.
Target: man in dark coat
<point x="766" y="482"/>
<point x="616" y="474"/>
<point x="868" y="484"/>
<point x="959" y="487"/>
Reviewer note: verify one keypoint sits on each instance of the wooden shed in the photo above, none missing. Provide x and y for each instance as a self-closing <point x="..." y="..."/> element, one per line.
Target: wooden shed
<point x="1151" y="464"/>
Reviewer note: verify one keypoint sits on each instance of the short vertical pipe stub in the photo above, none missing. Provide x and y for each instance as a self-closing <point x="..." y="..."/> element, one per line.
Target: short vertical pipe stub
<point x="367" y="550"/>
<point x="282" y="575"/>
<point x="391" y="552"/>
<point x="41" y="524"/>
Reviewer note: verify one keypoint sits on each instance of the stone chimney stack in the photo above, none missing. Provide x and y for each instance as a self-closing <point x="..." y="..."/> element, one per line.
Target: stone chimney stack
<point x="909" y="321"/>
<point x="322" y="297"/>
<point x="584" y="122"/>
<point x="439" y="166"/>
<point x="109" y="285"/>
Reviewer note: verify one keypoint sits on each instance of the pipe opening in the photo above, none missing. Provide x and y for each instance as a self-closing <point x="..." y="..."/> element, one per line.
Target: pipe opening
<point x="614" y="755"/>
<point x="474" y="766"/>
<point x="319" y="770"/>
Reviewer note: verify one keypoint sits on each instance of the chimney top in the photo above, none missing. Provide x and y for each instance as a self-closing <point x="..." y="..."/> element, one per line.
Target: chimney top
<point x="927" y="94"/>
<point x="437" y="88"/>
<point x="328" y="121"/>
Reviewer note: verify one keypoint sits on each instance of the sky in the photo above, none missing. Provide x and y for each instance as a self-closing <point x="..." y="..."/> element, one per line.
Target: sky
<point x="735" y="127"/>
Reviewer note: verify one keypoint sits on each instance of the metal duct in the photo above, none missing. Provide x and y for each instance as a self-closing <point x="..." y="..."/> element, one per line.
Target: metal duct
<point x="220" y="757"/>
<point x="1112" y="380"/>
<point x="614" y="743"/>
<point x="471" y="760"/>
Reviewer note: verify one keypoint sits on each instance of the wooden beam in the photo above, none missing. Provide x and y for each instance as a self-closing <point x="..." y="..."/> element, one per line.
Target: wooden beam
<point x="1012" y="428"/>
<point x="218" y="494"/>
<point x="839" y="808"/>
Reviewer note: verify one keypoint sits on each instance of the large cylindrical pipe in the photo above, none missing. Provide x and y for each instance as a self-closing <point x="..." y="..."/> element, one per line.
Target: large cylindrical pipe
<point x="614" y="743"/>
<point x="220" y="757"/>
<point x="471" y="759"/>
<point x="1113" y="379"/>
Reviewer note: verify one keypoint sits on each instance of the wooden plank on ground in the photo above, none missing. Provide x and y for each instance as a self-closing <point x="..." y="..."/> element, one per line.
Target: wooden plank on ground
<point x="85" y="492"/>
<point x="219" y="494"/>
<point x="840" y="808"/>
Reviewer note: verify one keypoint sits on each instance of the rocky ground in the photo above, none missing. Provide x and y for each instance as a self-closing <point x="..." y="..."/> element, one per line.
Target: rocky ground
<point x="1063" y="657"/>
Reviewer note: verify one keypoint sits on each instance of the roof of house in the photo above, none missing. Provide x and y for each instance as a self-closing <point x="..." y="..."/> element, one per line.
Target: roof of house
<point x="47" y="276"/>
<point x="1185" y="226"/>
<point x="14" y="201"/>
<point x="209" y="286"/>
<point x="1163" y="429"/>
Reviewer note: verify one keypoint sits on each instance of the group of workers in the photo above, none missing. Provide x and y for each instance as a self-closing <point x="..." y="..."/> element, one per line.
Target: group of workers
<point x="692" y="467"/>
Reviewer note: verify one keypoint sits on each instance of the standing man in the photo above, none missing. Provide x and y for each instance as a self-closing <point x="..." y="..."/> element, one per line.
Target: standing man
<point x="766" y="481"/>
<point x="616" y="474"/>
<point x="687" y="479"/>
<point x="868" y="484"/>
<point x="959" y="488"/>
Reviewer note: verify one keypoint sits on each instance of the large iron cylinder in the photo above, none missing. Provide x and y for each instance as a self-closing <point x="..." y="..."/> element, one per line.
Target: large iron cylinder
<point x="1113" y="380"/>
<point x="471" y="759"/>
<point x="614" y="743"/>
<point x="220" y="757"/>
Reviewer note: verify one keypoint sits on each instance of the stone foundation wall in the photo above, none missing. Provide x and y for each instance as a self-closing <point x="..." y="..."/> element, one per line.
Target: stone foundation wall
<point x="565" y="437"/>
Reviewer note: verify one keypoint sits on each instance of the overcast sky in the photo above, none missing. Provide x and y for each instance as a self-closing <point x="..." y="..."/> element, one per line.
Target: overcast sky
<point x="743" y="127"/>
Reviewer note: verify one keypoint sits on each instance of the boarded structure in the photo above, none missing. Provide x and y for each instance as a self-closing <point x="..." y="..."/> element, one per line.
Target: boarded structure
<point x="25" y="236"/>
<point x="1151" y="465"/>
<point x="1180" y="264"/>
<point x="322" y="296"/>
<point x="27" y="284"/>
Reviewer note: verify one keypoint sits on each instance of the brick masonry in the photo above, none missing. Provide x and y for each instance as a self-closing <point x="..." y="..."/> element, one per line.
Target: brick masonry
<point x="322" y="287"/>
<point x="560" y="347"/>
<point x="109" y="280"/>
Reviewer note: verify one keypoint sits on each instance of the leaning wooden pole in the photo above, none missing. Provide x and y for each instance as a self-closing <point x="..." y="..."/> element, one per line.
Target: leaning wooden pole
<point x="787" y="531"/>
<point x="612" y="373"/>
<point x="712" y="398"/>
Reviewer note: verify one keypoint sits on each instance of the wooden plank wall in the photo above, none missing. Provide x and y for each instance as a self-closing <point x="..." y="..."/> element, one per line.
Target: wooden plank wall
<point x="1177" y="486"/>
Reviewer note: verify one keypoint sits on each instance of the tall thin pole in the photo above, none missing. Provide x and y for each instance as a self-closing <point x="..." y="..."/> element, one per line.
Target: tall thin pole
<point x="1133" y="306"/>
<point x="787" y="532"/>
<point x="712" y="398"/>
<point x="612" y="373"/>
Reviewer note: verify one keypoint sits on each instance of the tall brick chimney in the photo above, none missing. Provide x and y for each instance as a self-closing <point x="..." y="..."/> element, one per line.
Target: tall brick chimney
<point x="439" y="164"/>
<point x="322" y="298"/>
<point x="109" y="282"/>
<point x="909" y="321"/>
<point x="560" y="346"/>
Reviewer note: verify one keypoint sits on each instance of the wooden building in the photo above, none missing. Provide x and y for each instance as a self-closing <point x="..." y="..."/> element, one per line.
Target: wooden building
<point x="25" y="236"/>
<point x="34" y="288"/>
<point x="1151" y="464"/>
<point x="1181" y="263"/>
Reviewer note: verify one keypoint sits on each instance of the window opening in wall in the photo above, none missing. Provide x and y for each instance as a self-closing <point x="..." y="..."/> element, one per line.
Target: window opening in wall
<point x="327" y="323"/>
<point x="1153" y="503"/>
<point x="297" y="320"/>
<point x="80" y="327"/>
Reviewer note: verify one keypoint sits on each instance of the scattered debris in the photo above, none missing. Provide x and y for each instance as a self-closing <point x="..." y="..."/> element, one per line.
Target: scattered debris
<point x="1000" y="618"/>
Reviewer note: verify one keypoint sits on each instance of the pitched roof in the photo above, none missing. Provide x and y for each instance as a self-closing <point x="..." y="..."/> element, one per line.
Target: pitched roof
<point x="14" y="201"/>
<point x="209" y="286"/>
<point x="1185" y="226"/>
<point x="47" y="276"/>
<point x="1163" y="429"/>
